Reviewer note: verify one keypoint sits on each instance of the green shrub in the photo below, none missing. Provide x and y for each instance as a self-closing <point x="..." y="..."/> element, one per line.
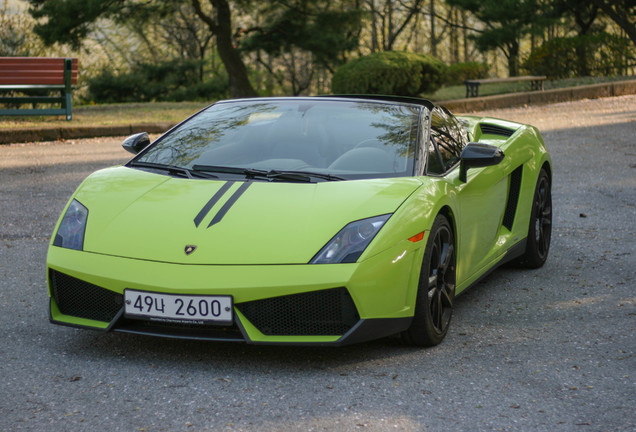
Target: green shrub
<point x="600" y="54"/>
<point x="389" y="73"/>
<point x="108" y="87"/>
<point x="459" y="72"/>
<point x="175" y="80"/>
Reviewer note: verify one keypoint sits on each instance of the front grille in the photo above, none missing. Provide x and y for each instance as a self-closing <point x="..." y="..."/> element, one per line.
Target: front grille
<point x="513" y="197"/>
<point x="490" y="129"/>
<point x="318" y="313"/>
<point x="81" y="299"/>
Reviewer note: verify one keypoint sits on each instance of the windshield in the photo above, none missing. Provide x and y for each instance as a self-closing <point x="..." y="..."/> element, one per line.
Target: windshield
<point x="336" y="139"/>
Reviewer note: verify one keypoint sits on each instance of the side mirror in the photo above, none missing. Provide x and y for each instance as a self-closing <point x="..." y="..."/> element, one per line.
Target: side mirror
<point x="136" y="143"/>
<point x="477" y="155"/>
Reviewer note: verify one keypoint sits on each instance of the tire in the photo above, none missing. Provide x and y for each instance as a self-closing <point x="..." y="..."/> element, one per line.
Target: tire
<point x="540" y="230"/>
<point x="436" y="289"/>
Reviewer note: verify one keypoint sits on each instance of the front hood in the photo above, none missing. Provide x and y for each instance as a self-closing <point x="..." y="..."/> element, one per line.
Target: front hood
<point x="141" y="215"/>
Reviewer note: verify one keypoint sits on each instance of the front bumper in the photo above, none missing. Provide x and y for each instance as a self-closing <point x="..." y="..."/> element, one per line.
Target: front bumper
<point x="298" y="304"/>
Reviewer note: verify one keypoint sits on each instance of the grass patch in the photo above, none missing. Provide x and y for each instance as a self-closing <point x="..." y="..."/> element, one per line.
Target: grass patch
<point x="109" y="115"/>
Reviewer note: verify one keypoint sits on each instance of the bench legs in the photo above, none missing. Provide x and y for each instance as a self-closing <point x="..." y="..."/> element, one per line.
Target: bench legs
<point x="67" y="106"/>
<point x="63" y="102"/>
<point x="537" y="85"/>
<point x="68" y="74"/>
<point x="472" y="90"/>
<point x="472" y="86"/>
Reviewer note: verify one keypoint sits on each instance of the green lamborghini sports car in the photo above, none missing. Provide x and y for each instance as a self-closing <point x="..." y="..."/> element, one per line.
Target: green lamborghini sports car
<point x="305" y="220"/>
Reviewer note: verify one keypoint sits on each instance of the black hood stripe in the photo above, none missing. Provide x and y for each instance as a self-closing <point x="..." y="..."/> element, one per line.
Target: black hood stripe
<point x="229" y="203"/>
<point x="206" y="208"/>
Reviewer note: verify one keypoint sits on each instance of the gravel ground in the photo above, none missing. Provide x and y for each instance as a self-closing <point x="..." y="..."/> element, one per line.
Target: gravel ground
<point x="551" y="349"/>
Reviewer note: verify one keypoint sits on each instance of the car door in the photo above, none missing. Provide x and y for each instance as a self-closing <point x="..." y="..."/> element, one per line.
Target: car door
<point x="481" y="199"/>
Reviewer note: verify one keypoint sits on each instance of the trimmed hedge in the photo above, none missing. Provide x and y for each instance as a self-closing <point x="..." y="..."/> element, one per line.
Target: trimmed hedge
<point x="390" y="73"/>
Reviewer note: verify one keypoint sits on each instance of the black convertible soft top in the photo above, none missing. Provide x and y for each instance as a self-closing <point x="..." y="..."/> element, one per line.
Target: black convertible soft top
<point x="403" y="99"/>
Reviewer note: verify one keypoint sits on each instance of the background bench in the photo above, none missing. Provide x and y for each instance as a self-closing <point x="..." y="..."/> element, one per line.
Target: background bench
<point x="472" y="86"/>
<point x="32" y="76"/>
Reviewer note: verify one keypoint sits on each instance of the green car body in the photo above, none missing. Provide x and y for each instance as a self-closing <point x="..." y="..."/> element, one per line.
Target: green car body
<point x="256" y="242"/>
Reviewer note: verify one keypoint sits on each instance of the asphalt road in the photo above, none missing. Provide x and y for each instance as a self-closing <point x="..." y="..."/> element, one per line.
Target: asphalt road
<point x="552" y="349"/>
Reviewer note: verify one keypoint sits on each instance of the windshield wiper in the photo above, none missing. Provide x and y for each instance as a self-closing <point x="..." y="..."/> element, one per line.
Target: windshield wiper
<point x="272" y="175"/>
<point x="172" y="169"/>
<point x="301" y="175"/>
<point x="247" y="172"/>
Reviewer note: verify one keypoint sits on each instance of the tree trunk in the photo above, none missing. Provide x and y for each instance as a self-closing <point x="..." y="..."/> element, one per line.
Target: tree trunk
<point x="453" y="48"/>
<point x="581" y="60"/>
<point x="465" y="35"/>
<point x="240" y="85"/>
<point x="374" y="28"/>
<point x="390" y="36"/>
<point x="434" y="40"/>
<point x="513" y="59"/>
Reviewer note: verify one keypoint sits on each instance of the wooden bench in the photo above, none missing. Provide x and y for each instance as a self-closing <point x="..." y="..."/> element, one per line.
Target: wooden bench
<point x="472" y="86"/>
<point x="31" y="77"/>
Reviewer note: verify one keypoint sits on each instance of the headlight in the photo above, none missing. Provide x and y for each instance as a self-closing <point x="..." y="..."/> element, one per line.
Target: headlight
<point x="70" y="234"/>
<point x="350" y="242"/>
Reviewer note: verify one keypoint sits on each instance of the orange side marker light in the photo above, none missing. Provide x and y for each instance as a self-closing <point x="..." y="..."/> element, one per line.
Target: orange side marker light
<point x="417" y="237"/>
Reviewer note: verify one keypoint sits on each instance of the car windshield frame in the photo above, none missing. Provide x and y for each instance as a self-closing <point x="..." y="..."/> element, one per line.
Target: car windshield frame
<point x="347" y="139"/>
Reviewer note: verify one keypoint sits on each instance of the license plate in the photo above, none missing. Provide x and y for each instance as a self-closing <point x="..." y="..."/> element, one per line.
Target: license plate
<point x="176" y="307"/>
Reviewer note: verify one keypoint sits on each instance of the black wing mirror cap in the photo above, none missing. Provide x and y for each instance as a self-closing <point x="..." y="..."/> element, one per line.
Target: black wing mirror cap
<point x="136" y="143"/>
<point x="476" y="155"/>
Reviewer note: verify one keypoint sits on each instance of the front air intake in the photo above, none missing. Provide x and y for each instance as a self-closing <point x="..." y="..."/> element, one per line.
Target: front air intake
<point x="317" y="313"/>
<point x="81" y="299"/>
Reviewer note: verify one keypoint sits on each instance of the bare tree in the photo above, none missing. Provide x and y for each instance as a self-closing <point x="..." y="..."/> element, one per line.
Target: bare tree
<point x="389" y="19"/>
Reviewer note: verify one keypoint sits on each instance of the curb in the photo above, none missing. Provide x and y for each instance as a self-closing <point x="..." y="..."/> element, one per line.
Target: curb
<point x="593" y="91"/>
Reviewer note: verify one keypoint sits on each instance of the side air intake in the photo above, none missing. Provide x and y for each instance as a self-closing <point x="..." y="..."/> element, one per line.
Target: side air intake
<point x="513" y="197"/>
<point x="490" y="129"/>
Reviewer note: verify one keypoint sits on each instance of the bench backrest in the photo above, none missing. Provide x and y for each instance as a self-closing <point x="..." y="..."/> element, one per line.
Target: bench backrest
<point x="35" y="70"/>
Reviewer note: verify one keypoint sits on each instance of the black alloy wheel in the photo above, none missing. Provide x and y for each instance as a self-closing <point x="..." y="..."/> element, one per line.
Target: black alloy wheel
<point x="436" y="292"/>
<point x="540" y="230"/>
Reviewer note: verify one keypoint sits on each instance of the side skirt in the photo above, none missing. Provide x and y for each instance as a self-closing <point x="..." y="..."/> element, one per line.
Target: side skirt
<point x="514" y="252"/>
